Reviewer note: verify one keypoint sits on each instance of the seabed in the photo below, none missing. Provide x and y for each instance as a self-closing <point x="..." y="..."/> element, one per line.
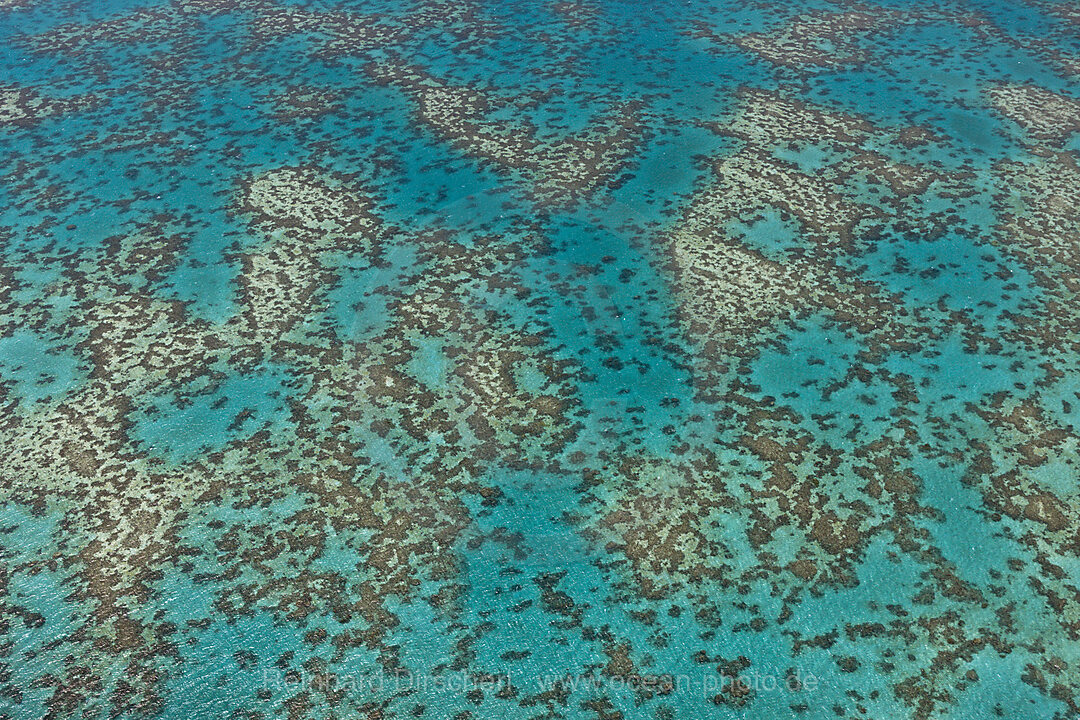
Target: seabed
<point x="512" y="360"/>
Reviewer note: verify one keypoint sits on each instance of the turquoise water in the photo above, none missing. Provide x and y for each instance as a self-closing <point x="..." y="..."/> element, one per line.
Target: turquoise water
<point x="539" y="360"/>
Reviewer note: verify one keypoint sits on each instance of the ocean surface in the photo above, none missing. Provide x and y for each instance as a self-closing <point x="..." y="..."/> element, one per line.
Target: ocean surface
<point x="512" y="360"/>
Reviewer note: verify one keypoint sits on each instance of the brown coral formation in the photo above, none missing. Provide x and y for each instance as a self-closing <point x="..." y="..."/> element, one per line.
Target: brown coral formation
<point x="1045" y="115"/>
<point x="24" y="107"/>
<point x="560" y="172"/>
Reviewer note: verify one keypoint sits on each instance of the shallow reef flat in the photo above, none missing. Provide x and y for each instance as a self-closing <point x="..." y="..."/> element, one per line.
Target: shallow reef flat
<point x="557" y="359"/>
